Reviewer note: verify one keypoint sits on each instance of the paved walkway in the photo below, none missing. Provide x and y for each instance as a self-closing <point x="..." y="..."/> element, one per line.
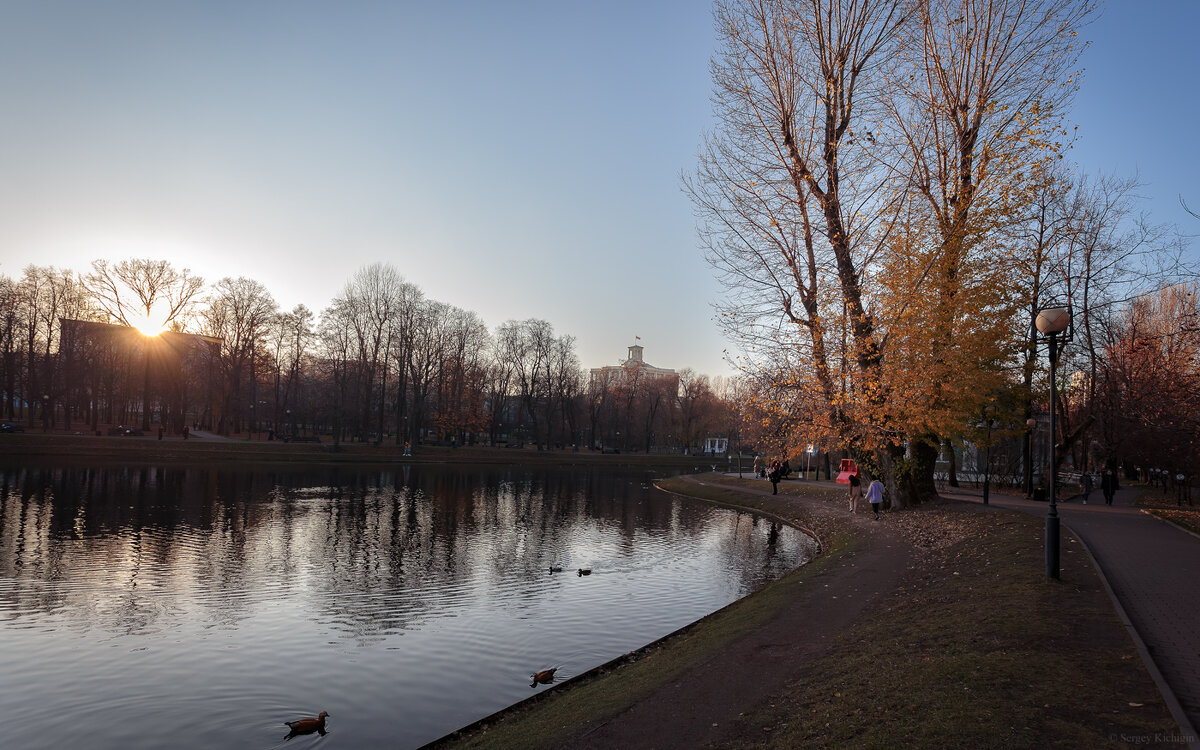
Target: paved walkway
<point x="1153" y="571"/>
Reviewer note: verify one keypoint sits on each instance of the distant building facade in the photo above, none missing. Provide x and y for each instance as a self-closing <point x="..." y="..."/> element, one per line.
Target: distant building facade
<point x="632" y="403"/>
<point x="113" y="374"/>
<point x="632" y="370"/>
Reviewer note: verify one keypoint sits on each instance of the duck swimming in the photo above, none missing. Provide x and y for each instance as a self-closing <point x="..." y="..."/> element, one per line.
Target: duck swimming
<point x="585" y="571"/>
<point x="307" y="725"/>
<point x="555" y="568"/>
<point x="545" y="677"/>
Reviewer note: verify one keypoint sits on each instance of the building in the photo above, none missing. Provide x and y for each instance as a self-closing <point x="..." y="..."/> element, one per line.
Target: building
<point x="631" y="404"/>
<point x="634" y="369"/>
<point x="114" y="374"/>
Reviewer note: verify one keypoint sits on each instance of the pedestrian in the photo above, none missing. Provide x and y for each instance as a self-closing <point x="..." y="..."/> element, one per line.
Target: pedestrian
<point x="186" y="432"/>
<point x="758" y="466"/>
<point x="1108" y="485"/>
<point x="875" y="495"/>
<point x="773" y="475"/>
<point x="407" y="448"/>
<point x="855" y="493"/>
<point x="1085" y="483"/>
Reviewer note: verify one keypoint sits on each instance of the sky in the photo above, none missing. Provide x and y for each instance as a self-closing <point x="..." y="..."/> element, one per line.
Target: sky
<point x="518" y="159"/>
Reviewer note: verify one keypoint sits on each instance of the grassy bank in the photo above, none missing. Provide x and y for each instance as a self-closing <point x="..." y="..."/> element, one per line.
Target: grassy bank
<point x="976" y="648"/>
<point x="1166" y="506"/>
<point x="979" y="650"/>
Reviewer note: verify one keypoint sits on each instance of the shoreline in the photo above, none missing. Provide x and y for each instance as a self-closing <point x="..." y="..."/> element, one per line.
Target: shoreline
<point x="43" y="447"/>
<point x="915" y="615"/>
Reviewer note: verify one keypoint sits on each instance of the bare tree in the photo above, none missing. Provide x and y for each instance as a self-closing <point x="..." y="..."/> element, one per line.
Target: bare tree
<point x="375" y="295"/>
<point x="9" y="345"/>
<point x="240" y="314"/>
<point x="526" y="345"/>
<point x="143" y="293"/>
<point x="786" y="194"/>
<point x="291" y="339"/>
<point x="149" y="295"/>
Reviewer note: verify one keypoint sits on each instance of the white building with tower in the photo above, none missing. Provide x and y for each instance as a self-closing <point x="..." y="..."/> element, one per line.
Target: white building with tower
<point x="633" y="369"/>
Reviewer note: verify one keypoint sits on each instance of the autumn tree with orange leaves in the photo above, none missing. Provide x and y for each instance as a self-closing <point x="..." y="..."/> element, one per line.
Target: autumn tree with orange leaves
<point x="1147" y="386"/>
<point x="851" y="196"/>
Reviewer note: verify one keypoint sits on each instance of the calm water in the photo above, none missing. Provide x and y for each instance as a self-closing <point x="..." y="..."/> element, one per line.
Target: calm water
<point x="182" y="607"/>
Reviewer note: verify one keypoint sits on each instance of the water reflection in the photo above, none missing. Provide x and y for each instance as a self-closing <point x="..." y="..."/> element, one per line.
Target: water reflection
<point x="423" y="592"/>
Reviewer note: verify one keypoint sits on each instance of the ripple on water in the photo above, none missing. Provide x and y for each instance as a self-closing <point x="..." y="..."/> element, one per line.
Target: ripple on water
<point x="225" y="604"/>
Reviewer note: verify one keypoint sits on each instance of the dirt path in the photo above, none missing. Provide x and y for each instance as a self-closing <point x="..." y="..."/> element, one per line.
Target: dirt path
<point x="700" y="707"/>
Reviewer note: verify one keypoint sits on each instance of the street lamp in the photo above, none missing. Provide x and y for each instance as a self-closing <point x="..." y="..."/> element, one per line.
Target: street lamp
<point x="989" y="422"/>
<point x="1030" y="424"/>
<point x="1051" y="321"/>
<point x="45" y="412"/>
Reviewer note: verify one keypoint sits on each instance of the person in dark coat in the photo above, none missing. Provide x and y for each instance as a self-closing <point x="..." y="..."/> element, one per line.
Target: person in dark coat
<point x="773" y="475"/>
<point x="1108" y="485"/>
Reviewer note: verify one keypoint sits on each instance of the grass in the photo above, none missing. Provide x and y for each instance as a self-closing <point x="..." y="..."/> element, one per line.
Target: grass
<point x="975" y="649"/>
<point x="979" y="650"/>
<point x="1165" y="506"/>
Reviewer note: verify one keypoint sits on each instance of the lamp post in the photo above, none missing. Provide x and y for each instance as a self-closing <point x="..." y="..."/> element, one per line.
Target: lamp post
<point x="987" y="461"/>
<point x="1052" y="321"/>
<point x="1029" y="425"/>
<point x="45" y="412"/>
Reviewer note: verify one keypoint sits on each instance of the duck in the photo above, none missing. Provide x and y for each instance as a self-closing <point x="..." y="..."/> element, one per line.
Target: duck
<point x="308" y="725"/>
<point x="555" y="568"/>
<point x="585" y="571"/>
<point x="545" y="677"/>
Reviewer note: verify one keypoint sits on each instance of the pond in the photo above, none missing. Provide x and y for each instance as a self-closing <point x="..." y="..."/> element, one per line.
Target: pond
<point x="197" y="607"/>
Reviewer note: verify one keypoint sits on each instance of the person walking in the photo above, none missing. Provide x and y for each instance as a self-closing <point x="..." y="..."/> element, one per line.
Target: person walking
<point x="758" y="466"/>
<point x="1108" y="485"/>
<point x="855" y="493"/>
<point x="773" y="475"/>
<point x="1085" y="484"/>
<point x="875" y="495"/>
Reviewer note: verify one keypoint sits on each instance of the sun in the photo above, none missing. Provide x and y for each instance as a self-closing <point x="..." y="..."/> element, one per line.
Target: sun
<point x="148" y="326"/>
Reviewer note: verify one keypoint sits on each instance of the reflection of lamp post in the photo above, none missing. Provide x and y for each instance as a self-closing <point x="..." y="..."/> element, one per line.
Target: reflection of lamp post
<point x="1052" y="321"/>
<point x="45" y="412"/>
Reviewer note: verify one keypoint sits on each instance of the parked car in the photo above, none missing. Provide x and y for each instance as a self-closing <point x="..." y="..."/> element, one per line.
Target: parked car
<point x="10" y="427"/>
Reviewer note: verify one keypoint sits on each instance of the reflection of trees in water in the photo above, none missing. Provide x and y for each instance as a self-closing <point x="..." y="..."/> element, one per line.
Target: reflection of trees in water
<point x="136" y="550"/>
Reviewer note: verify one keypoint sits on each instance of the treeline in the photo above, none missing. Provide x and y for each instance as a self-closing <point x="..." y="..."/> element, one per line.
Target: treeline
<point x="382" y="362"/>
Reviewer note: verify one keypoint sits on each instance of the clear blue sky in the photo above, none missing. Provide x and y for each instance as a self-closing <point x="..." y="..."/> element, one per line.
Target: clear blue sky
<point x="516" y="159"/>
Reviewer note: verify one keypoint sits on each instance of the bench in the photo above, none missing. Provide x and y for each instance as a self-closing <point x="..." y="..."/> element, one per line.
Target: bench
<point x="301" y="439"/>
